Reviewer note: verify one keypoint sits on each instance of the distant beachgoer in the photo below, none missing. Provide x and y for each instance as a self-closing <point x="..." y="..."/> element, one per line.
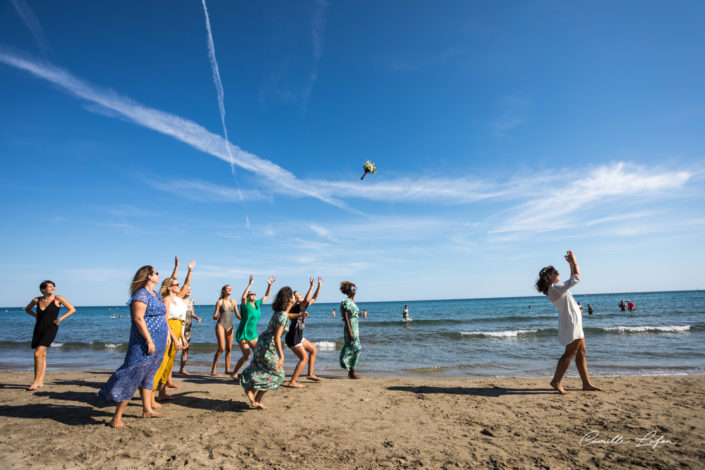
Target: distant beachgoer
<point x="333" y="314"/>
<point x="350" y="353"/>
<point x="190" y="315"/>
<point x="119" y="316"/>
<point x="622" y="306"/>
<point x="364" y="314"/>
<point x="580" y="307"/>
<point x="303" y="348"/>
<point x="148" y="340"/>
<point x="405" y="313"/>
<point x="630" y="305"/>
<point x="246" y="335"/>
<point x="112" y="316"/>
<point x="46" y="327"/>
<point x="266" y="371"/>
<point x="529" y="307"/>
<point x="224" y="331"/>
<point x="589" y="309"/>
<point x="173" y="297"/>
<point x="570" y="324"/>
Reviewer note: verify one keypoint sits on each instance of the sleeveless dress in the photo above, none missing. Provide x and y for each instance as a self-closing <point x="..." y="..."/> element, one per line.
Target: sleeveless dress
<point x="247" y="329"/>
<point x="226" y="315"/>
<point x="261" y="374"/>
<point x="189" y="319"/>
<point x="295" y="336"/>
<point x="139" y="368"/>
<point x="45" y="329"/>
<point x="350" y="353"/>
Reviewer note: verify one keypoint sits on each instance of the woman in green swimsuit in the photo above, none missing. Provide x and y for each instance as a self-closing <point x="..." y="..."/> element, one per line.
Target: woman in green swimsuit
<point x="250" y="311"/>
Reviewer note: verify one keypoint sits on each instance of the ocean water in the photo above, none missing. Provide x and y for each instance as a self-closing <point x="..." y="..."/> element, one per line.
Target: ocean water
<point x="463" y="338"/>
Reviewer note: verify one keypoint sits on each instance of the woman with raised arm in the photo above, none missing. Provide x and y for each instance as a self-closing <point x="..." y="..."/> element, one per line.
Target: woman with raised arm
<point x="46" y="327"/>
<point x="246" y="335"/>
<point x="190" y="315"/>
<point x="224" y="309"/>
<point x="570" y="322"/>
<point x="350" y="353"/>
<point x="304" y="350"/>
<point x="148" y="340"/>
<point x="173" y="296"/>
<point x="266" y="371"/>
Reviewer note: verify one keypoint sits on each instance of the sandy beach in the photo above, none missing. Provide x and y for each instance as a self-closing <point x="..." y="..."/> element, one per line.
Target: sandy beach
<point x="654" y="422"/>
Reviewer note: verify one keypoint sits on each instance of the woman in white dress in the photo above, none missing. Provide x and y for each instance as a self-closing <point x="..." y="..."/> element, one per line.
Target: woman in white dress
<point x="570" y="322"/>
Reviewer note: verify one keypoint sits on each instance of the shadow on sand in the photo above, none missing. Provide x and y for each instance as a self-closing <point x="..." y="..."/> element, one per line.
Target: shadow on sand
<point x="474" y="391"/>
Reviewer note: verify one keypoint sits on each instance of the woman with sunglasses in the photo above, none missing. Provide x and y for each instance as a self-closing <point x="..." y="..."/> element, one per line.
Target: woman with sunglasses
<point x="570" y="322"/>
<point x="173" y="296"/>
<point x="350" y="353"/>
<point x="148" y="340"/>
<point x="251" y="310"/>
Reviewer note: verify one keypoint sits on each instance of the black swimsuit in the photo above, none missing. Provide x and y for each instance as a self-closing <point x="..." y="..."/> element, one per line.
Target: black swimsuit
<point x="45" y="329"/>
<point x="296" y="329"/>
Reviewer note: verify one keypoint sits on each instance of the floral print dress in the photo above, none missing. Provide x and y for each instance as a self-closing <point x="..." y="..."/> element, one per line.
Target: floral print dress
<point x="261" y="374"/>
<point x="350" y="353"/>
<point x="139" y="367"/>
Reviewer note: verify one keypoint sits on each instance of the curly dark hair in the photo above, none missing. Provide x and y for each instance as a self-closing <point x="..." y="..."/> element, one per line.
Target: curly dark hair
<point x="283" y="299"/>
<point x="545" y="278"/>
<point x="45" y="284"/>
<point x="346" y="287"/>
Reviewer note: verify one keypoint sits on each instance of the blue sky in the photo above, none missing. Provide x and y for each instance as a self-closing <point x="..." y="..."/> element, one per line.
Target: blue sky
<point x="504" y="134"/>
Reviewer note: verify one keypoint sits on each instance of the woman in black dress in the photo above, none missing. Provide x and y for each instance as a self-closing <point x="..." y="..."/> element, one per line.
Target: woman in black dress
<point x="303" y="348"/>
<point x="46" y="327"/>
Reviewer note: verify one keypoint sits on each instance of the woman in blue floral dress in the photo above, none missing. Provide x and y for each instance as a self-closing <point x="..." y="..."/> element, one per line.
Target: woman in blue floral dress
<point x="350" y="353"/>
<point x="148" y="340"/>
<point x="266" y="371"/>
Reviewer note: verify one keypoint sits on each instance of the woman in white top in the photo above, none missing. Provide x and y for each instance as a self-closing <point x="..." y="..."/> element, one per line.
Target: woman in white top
<point x="173" y="296"/>
<point x="570" y="322"/>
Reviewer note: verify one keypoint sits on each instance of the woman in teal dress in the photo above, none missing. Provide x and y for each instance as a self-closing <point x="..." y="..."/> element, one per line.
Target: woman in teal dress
<point x="250" y="311"/>
<point x="350" y="353"/>
<point x="266" y="371"/>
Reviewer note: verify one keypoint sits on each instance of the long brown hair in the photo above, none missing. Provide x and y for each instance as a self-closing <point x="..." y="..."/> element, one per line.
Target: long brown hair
<point x="222" y="291"/>
<point x="283" y="299"/>
<point x="141" y="278"/>
<point x="545" y="279"/>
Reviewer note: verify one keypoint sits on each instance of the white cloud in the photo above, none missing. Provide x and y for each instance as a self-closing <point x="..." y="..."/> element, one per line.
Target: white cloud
<point x="202" y="191"/>
<point x="32" y="23"/>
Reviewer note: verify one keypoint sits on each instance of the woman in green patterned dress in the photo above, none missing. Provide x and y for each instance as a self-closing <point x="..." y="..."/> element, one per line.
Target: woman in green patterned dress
<point x="350" y="353"/>
<point x="266" y="371"/>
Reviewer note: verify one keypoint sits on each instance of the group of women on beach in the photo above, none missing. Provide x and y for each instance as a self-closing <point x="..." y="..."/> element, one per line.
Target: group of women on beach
<point x="159" y="329"/>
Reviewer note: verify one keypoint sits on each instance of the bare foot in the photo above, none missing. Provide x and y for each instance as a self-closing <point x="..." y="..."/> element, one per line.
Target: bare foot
<point x="152" y="414"/>
<point x="229" y="372"/>
<point x="214" y="373"/>
<point x="236" y="378"/>
<point x="314" y="378"/>
<point x="591" y="387"/>
<point x="164" y="397"/>
<point x="183" y="372"/>
<point x="259" y="406"/>
<point x="295" y="385"/>
<point x="117" y="424"/>
<point x="32" y="388"/>
<point x="353" y="375"/>
<point x="559" y="388"/>
<point x="156" y="405"/>
<point x="251" y="395"/>
<point x="171" y="385"/>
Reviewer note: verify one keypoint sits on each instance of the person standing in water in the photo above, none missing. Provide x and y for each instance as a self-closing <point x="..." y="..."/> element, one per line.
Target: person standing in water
<point x="246" y="335"/>
<point x="333" y="314"/>
<point x="46" y="326"/>
<point x="570" y="322"/>
<point x="405" y="313"/>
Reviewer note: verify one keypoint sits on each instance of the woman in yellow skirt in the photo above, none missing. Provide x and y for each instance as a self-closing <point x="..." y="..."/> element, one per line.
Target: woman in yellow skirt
<point x="173" y="296"/>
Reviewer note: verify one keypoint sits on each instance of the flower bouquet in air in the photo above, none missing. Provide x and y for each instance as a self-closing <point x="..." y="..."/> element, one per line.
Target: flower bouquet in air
<point x="369" y="167"/>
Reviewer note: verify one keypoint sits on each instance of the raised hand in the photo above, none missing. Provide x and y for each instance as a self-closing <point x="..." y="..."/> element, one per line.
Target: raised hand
<point x="252" y="278"/>
<point x="192" y="264"/>
<point x="320" y="281"/>
<point x="270" y="281"/>
<point x="312" y="280"/>
<point x="176" y="260"/>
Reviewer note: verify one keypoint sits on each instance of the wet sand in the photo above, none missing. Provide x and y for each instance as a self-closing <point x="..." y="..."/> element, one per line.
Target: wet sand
<point x="387" y="422"/>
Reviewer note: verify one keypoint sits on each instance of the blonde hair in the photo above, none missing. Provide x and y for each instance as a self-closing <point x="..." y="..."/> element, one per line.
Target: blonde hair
<point x="164" y="289"/>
